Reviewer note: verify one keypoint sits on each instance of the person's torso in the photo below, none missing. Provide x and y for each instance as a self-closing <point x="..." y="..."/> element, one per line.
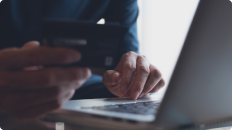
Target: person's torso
<point x="20" y="19"/>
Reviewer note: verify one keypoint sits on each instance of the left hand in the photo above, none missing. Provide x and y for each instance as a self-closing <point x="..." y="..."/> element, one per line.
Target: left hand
<point x="134" y="77"/>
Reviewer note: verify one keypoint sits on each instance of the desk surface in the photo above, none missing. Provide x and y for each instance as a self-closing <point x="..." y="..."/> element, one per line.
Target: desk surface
<point x="9" y="123"/>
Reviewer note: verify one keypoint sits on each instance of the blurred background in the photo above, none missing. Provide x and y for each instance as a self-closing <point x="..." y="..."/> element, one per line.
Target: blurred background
<point x="162" y="28"/>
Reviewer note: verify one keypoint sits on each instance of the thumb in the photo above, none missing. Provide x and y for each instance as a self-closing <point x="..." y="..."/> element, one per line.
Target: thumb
<point x="111" y="78"/>
<point x="31" y="44"/>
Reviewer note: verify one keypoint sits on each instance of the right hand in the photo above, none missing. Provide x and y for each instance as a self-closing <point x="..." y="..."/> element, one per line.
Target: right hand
<point x="27" y="91"/>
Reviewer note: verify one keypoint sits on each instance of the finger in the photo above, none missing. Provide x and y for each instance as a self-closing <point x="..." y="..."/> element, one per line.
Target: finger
<point x="69" y="95"/>
<point x="144" y="95"/>
<point x="118" y="67"/>
<point x="46" y="78"/>
<point x="19" y="58"/>
<point x="158" y="86"/>
<point x="38" y="110"/>
<point x="128" y="65"/>
<point x="128" y="93"/>
<point x="21" y="100"/>
<point x="111" y="78"/>
<point x="32" y="68"/>
<point x="31" y="44"/>
<point x="16" y="102"/>
<point x="143" y="72"/>
<point x="153" y="79"/>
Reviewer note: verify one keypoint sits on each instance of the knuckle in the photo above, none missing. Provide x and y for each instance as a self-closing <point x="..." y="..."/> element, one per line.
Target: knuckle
<point x="129" y="66"/>
<point x="140" y="57"/>
<point x="153" y="67"/>
<point x="127" y="80"/>
<point x="129" y="54"/>
<point x="143" y="59"/>
<point x="144" y="56"/>
<point x="139" y="86"/>
<point x="144" y="69"/>
<point x="157" y="74"/>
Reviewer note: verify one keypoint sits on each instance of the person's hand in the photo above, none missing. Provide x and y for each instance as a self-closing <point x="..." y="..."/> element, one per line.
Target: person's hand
<point x="133" y="77"/>
<point x="29" y="90"/>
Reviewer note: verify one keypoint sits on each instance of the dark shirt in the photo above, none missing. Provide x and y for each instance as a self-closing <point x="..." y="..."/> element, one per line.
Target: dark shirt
<point x="20" y="19"/>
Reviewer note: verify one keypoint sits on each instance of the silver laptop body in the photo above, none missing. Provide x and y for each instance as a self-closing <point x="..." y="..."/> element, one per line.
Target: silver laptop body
<point x="199" y="92"/>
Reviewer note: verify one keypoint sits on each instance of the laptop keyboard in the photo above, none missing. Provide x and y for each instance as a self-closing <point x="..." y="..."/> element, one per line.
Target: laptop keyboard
<point x="144" y="108"/>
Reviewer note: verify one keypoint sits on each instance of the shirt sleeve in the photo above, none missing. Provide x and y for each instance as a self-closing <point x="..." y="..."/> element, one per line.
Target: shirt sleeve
<point x="126" y="13"/>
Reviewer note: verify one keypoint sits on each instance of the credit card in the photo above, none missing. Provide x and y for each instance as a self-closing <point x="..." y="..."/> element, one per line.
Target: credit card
<point x="97" y="43"/>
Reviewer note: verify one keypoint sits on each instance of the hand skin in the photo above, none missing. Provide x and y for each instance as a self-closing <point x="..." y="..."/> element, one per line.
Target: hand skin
<point x="27" y="90"/>
<point x="134" y="77"/>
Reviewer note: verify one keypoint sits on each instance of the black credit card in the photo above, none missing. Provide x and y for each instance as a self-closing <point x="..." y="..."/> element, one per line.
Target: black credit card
<point x="98" y="43"/>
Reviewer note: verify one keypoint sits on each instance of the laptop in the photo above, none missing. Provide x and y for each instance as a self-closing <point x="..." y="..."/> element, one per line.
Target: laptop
<point x="199" y="93"/>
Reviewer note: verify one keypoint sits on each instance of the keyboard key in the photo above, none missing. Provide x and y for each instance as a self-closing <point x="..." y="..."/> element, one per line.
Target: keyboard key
<point x="145" y="108"/>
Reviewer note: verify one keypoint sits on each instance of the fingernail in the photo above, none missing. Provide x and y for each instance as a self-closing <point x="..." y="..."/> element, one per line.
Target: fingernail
<point x="135" y="95"/>
<point x="123" y="89"/>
